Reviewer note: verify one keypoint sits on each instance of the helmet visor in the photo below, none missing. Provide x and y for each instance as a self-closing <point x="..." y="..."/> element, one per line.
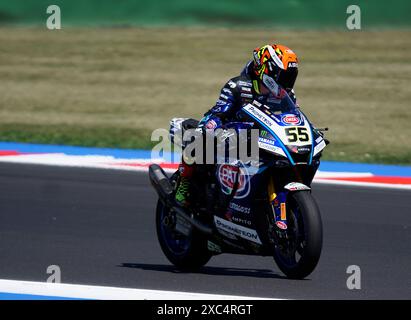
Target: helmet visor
<point x="286" y="78"/>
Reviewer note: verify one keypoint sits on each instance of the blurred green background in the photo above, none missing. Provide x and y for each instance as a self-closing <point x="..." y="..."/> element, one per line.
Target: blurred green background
<point x="119" y="69"/>
<point x="256" y="13"/>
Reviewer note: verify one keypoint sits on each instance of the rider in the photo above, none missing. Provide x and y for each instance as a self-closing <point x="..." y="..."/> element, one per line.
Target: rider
<point x="272" y="65"/>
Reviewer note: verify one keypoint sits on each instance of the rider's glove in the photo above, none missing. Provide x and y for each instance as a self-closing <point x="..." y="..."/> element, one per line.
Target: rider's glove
<point x="213" y="123"/>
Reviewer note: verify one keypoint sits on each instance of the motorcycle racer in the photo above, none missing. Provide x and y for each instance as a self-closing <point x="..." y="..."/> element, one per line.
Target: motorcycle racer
<point x="272" y="66"/>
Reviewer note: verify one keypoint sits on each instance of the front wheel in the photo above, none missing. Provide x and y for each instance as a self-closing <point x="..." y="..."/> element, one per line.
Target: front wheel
<point x="298" y="252"/>
<point x="186" y="253"/>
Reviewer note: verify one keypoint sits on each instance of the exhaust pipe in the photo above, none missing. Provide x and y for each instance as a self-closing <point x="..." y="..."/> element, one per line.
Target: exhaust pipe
<point x="161" y="183"/>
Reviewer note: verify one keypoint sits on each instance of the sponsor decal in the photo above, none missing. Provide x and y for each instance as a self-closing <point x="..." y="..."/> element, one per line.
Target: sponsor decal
<point x="245" y="89"/>
<point x="239" y="208"/>
<point x="246" y="95"/>
<point x="283" y="211"/>
<point x="290" y="119"/>
<point x="292" y="65"/>
<point x="224" y="96"/>
<point x="243" y="232"/>
<point x="271" y="84"/>
<point x="281" y="225"/>
<point x="267" y="112"/>
<point x="266" y="141"/>
<point x="227" y="176"/>
<point x="264" y="133"/>
<point x="271" y="148"/>
<point x="256" y="103"/>
<point x="294" y="186"/>
<point x="319" y="147"/>
<point x="245" y="84"/>
<point x="232" y="84"/>
<point x="226" y="90"/>
<point x="259" y="115"/>
<point x="242" y="221"/>
<point x="303" y="149"/>
<point x="227" y="234"/>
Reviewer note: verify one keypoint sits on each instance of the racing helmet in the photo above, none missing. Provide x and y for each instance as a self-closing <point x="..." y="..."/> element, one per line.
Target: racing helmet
<point x="274" y="65"/>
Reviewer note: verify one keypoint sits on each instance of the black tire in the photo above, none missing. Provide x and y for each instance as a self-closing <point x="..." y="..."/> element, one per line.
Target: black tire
<point x="304" y="221"/>
<point x="192" y="256"/>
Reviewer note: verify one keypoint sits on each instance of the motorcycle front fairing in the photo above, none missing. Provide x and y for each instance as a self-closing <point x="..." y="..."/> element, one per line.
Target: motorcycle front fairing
<point x="290" y="149"/>
<point x="241" y="185"/>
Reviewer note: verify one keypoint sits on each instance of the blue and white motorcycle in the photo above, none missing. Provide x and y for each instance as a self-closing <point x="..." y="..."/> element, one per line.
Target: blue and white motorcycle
<point x="241" y="209"/>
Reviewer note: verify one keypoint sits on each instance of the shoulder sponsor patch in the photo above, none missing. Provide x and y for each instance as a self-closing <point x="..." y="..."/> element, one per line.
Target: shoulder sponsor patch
<point x="232" y="84"/>
<point x="247" y="95"/>
<point x="245" y="84"/>
<point x="245" y="89"/>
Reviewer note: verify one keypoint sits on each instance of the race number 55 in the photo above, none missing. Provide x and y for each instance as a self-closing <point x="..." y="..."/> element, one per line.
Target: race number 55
<point x="297" y="134"/>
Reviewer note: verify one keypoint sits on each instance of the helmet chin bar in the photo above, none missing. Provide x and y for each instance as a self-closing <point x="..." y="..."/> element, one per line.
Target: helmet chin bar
<point x="271" y="85"/>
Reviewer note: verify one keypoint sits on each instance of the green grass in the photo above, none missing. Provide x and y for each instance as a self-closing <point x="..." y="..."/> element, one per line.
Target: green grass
<point x="111" y="87"/>
<point x="111" y="137"/>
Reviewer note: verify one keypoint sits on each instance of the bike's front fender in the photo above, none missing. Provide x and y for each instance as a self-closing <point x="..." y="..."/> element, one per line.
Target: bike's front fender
<point x="279" y="202"/>
<point x="296" y="186"/>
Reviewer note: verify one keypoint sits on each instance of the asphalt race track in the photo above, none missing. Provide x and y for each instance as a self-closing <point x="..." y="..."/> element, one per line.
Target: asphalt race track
<point x="98" y="226"/>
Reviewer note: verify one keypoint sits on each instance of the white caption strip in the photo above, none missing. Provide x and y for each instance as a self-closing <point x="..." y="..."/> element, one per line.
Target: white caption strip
<point x="63" y="290"/>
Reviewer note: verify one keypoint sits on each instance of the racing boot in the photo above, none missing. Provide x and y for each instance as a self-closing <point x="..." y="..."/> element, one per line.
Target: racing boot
<point x="186" y="173"/>
<point x="183" y="191"/>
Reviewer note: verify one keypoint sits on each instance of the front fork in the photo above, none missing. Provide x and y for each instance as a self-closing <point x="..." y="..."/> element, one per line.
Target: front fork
<point x="278" y="202"/>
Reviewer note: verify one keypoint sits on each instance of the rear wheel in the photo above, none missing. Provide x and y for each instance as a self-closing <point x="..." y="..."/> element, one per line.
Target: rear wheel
<point x="298" y="253"/>
<point x="185" y="252"/>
